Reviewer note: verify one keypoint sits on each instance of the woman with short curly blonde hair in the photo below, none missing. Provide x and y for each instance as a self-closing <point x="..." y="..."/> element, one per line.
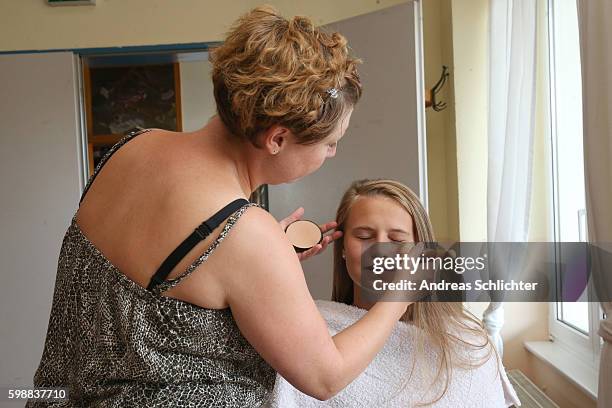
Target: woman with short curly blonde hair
<point x="152" y="306"/>
<point x="272" y="71"/>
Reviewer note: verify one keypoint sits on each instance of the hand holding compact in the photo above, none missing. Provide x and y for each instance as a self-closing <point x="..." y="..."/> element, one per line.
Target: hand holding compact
<point x="304" y="236"/>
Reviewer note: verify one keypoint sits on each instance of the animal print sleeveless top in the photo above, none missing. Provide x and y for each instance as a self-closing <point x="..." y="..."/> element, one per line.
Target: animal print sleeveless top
<point x="113" y="343"/>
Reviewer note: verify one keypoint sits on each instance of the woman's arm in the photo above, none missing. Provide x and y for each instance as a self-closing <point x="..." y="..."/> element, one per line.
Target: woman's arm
<point x="274" y="310"/>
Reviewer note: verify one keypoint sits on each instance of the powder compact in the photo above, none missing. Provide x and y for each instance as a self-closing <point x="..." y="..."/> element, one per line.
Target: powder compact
<point x="304" y="234"/>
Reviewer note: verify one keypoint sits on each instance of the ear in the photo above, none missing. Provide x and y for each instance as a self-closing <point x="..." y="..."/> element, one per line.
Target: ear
<point x="275" y="139"/>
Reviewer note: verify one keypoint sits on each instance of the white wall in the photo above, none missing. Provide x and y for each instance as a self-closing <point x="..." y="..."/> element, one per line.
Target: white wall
<point x="39" y="177"/>
<point x="381" y="140"/>
<point x="197" y="99"/>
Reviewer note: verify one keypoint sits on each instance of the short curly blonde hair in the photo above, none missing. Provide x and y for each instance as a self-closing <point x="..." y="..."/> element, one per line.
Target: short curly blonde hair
<point x="270" y="70"/>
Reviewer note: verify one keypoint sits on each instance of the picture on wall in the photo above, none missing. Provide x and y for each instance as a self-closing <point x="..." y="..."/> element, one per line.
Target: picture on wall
<point x="126" y="97"/>
<point x="123" y="97"/>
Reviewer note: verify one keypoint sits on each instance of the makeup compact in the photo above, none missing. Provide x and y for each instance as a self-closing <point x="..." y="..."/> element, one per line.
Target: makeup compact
<point x="304" y="234"/>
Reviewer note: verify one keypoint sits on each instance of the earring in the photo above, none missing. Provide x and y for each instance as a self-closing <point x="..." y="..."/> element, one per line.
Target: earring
<point x="275" y="152"/>
<point x="343" y="255"/>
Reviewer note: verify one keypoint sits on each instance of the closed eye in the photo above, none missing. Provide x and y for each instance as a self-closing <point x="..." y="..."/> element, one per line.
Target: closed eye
<point x="400" y="237"/>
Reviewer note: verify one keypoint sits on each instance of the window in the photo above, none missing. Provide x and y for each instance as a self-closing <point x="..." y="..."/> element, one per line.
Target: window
<point x="574" y="325"/>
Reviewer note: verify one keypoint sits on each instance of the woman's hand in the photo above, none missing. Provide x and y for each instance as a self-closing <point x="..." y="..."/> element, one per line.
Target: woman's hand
<point x="327" y="239"/>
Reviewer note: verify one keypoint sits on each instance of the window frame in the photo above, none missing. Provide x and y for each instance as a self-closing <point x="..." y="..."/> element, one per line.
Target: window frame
<point x="584" y="347"/>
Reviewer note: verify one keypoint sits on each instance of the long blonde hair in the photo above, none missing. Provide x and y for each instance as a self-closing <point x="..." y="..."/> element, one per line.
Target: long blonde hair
<point x="439" y="321"/>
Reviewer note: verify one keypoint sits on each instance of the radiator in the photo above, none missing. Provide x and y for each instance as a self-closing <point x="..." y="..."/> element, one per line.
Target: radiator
<point x="529" y="394"/>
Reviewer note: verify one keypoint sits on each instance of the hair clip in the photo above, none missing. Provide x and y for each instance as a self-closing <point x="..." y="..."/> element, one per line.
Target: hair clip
<point x="332" y="92"/>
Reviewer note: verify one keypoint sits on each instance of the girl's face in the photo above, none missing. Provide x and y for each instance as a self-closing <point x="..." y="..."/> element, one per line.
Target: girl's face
<point x="297" y="160"/>
<point x="372" y="220"/>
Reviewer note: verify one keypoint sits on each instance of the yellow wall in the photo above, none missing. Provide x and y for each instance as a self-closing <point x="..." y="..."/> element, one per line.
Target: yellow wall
<point x="440" y="126"/>
<point x="470" y="41"/>
<point x="556" y="386"/>
<point x="33" y="25"/>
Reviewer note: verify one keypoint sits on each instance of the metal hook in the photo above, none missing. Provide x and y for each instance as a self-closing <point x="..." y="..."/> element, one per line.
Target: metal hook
<point x="439" y="106"/>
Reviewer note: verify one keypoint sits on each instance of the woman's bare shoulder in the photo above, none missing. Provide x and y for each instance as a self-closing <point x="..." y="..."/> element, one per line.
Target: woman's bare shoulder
<point x="258" y="232"/>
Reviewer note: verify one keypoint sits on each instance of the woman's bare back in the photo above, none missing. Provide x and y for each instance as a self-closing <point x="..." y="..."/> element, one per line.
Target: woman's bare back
<point x="147" y="199"/>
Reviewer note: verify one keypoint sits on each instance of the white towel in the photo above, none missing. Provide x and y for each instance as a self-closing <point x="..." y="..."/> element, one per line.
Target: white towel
<point x="387" y="381"/>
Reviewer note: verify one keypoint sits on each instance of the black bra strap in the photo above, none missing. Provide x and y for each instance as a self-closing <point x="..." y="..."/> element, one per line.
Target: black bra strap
<point x="201" y="232"/>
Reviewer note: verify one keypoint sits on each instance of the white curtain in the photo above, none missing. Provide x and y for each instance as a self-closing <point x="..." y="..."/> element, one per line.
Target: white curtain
<point x="511" y="124"/>
<point x="596" y="50"/>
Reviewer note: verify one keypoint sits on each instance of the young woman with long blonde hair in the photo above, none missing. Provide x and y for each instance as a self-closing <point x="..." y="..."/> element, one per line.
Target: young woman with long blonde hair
<point x="438" y="354"/>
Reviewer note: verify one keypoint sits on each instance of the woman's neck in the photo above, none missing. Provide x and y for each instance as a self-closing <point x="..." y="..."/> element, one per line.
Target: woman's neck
<point x="233" y="152"/>
<point x="358" y="300"/>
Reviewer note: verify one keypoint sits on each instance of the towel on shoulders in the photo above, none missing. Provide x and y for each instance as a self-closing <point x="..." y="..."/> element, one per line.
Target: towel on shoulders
<point x="395" y="379"/>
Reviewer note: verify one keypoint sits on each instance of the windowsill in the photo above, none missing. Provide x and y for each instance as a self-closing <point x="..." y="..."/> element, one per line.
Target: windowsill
<point x="583" y="375"/>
